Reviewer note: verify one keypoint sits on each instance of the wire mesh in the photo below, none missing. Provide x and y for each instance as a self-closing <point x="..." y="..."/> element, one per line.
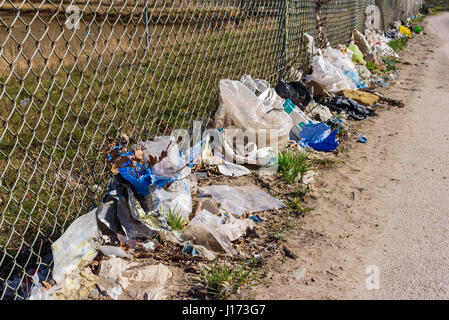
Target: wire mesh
<point x="70" y="79"/>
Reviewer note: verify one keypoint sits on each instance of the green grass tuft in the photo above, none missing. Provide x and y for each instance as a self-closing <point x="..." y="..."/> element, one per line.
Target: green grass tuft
<point x="398" y="44"/>
<point x="222" y="279"/>
<point x="292" y="165"/>
<point x="371" y="67"/>
<point x="176" y="221"/>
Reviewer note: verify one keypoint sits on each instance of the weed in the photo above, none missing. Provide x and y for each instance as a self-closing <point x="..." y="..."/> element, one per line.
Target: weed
<point x="323" y="163"/>
<point x="222" y="279"/>
<point x="176" y="221"/>
<point x="398" y="44"/>
<point x="371" y="67"/>
<point x="292" y="165"/>
<point x="295" y="207"/>
<point x="278" y="236"/>
<point x="391" y="63"/>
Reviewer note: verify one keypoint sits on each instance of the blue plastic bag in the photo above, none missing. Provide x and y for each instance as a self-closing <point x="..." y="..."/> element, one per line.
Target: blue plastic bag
<point x="319" y="137"/>
<point x="354" y="76"/>
<point x="140" y="176"/>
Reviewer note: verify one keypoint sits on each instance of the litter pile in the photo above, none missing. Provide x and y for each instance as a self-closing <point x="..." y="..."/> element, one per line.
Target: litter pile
<point x="153" y="197"/>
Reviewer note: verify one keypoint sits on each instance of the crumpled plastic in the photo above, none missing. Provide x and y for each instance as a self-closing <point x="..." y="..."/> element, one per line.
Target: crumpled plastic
<point x="241" y="199"/>
<point x="121" y="209"/>
<point x="169" y="169"/>
<point x="345" y="64"/>
<point x="329" y="76"/>
<point x="351" y="107"/>
<point x="319" y="137"/>
<point x="357" y="55"/>
<point x="240" y="107"/>
<point x="405" y="31"/>
<point x="297" y="92"/>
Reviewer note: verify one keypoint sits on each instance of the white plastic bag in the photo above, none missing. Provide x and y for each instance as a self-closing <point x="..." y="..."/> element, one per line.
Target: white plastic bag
<point x="339" y="59"/>
<point x="257" y="86"/>
<point x="241" y="199"/>
<point x="173" y="165"/>
<point x="385" y="50"/>
<point x="77" y="246"/>
<point x="240" y="107"/>
<point x="177" y="199"/>
<point x="329" y="76"/>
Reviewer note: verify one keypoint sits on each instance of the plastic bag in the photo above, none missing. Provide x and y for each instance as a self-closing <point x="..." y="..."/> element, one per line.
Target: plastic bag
<point x="357" y="55"/>
<point x="78" y="245"/>
<point x="329" y="76"/>
<point x="172" y="166"/>
<point x="205" y="230"/>
<point x="257" y="86"/>
<point x="249" y="153"/>
<point x="405" y="31"/>
<point x="363" y="72"/>
<point x="319" y="137"/>
<point x="232" y="227"/>
<point x="385" y="50"/>
<point x="344" y="62"/>
<point x="169" y="169"/>
<point x="239" y="106"/>
<point x="321" y="112"/>
<point x="351" y="107"/>
<point x="238" y="200"/>
<point x="177" y="199"/>
<point x="296" y="92"/>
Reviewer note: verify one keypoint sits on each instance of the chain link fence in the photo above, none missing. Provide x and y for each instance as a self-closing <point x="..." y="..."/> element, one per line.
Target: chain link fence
<point x="73" y="73"/>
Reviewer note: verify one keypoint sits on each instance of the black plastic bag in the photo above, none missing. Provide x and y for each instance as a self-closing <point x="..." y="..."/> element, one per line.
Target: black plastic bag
<point x="298" y="93"/>
<point x="351" y="107"/>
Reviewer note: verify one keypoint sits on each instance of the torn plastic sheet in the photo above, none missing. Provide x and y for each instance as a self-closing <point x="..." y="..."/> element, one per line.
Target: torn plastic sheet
<point x="121" y="210"/>
<point x="351" y="107"/>
<point x="299" y="93"/>
<point x="117" y="275"/>
<point x="167" y="170"/>
<point x="243" y="199"/>
<point x="239" y="107"/>
<point x="215" y="233"/>
<point x="232" y="227"/>
<point x="71" y="252"/>
<point x="78" y="245"/>
<point x="208" y="234"/>
<point x="319" y="137"/>
<point x="177" y="199"/>
<point x="115" y="252"/>
<point x="233" y="170"/>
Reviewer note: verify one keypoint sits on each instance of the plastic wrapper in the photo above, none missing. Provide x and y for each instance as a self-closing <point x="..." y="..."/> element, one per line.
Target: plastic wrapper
<point x="329" y="76"/>
<point x="242" y="199"/>
<point x="239" y="107"/>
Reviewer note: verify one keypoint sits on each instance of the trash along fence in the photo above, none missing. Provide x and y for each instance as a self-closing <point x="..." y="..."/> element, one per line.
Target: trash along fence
<point x="75" y="75"/>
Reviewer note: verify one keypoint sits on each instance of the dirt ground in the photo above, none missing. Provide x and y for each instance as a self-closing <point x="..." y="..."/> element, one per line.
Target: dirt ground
<point x="387" y="205"/>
